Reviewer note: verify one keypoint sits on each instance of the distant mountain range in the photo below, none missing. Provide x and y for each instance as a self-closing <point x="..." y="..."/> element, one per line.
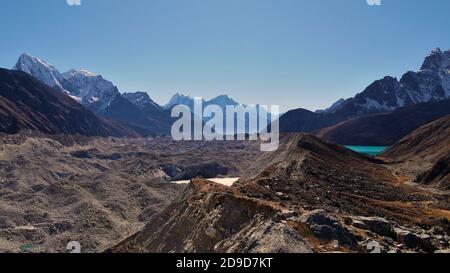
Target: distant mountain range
<point x="355" y="121"/>
<point x="222" y="101"/>
<point x="135" y="109"/>
<point x="430" y="84"/>
<point x="100" y="96"/>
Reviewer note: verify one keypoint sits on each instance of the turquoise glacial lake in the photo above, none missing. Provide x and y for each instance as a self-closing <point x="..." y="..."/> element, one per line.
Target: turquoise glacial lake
<point x="368" y="150"/>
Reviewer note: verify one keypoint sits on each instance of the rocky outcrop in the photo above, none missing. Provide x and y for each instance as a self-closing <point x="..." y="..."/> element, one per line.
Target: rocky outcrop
<point x="202" y="222"/>
<point x="326" y="227"/>
<point x="377" y="225"/>
<point x="311" y="174"/>
<point x="265" y="236"/>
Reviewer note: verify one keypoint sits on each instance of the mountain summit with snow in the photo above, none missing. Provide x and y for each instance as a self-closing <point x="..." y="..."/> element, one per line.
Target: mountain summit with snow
<point x="100" y="95"/>
<point x="91" y="90"/>
<point x="181" y="99"/>
<point x="431" y="83"/>
<point x="39" y="69"/>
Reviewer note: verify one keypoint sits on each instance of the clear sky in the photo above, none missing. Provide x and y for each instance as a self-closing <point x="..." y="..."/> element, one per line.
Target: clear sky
<point x="295" y="53"/>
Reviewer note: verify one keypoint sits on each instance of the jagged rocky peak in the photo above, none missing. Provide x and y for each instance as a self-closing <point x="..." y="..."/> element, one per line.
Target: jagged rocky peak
<point x="141" y="99"/>
<point x="79" y="74"/>
<point x="335" y="106"/>
<point x="39" y="69"/>
<point x="86" y="87"/>
<point x="436" y="60"/>
<point x="430" y="83"/>
<point x="178" y="99"/>
<point x="381" y="95"/>
<point x="92" y="90"/>
<point x="223" y="100"/>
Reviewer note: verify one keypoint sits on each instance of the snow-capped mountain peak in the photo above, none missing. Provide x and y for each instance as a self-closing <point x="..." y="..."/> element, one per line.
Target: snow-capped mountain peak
<point x="141" y="99"/>
<point x="180" y="99"/>
<point x="91" y="90"/>
<point x="435" y="61"/>
<point x="430" y="83"/>
<point x="41" y="70"/>
<point x="87" y="73"/>
<point x="78" y="73"/>
<point x="223" y="101"/>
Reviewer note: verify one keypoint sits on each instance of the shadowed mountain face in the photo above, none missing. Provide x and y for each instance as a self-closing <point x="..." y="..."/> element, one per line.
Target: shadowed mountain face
<point x="122" y="110"/>
<point x="159" y="119"/>
<point x="100" y="96"/>
<point x="430" y="83"/>
<point x="309" y="196"/>
<point x="28" y="104"/>
<point x="425" y="153"/>
<point x="385" y="129"/>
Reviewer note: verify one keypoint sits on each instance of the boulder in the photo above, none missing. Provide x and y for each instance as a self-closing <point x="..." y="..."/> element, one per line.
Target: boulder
<point x="415" y="241"/>
<point x="327" y="227"/>
<point x="264" y="236"/>
<point x="377" y="225"/>
<point x="212" y="233"/>
<point x="288" y="214"/>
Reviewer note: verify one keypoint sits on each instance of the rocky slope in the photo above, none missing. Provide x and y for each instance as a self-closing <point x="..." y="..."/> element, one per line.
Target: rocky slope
<point x="28" y="104"/>
<point x="430" y="83"/>
<point x="311" y="196"/>
<point x="201" y="222"/>
<point x="425" y="154"/>
<point x="97" y="191"/>
<point x="387" y="128"/>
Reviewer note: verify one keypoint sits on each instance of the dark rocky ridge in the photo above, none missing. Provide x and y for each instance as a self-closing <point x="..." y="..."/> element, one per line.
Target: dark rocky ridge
<point x="385" y="129"/>
<point x="310" y="196"/>
<point x="28" y="104"/>
<point x="429" y="84"/>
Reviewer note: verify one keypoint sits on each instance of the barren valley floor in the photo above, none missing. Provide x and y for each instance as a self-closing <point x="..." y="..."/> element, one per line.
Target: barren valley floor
<point x="118" y="194"/>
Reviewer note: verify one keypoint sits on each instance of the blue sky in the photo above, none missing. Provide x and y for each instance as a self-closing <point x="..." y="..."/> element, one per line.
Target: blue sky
<point x="295" y="53"/>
